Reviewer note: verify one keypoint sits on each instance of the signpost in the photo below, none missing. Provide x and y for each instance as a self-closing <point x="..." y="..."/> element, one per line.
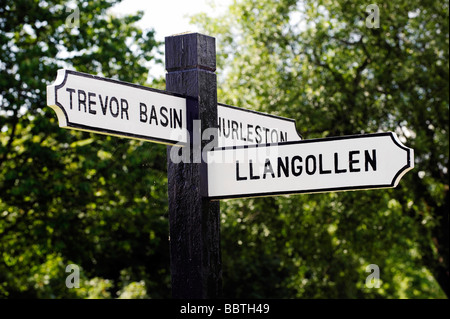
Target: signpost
<point x="256" y="154"/>
<point x="194" y="220"/>
<point x="106" y="106"/>
<point x="309" y="166"/>
<point x="238" y="126"/>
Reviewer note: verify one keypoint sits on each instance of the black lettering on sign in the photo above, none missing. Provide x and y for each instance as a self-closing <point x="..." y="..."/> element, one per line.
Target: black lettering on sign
<point x="225" y="133"/>
<point x="234" y="127"/>
<point x="250" y="164"/>
<point x="123" y="108"/>
<point x="310" y="164"/>
<point x="268" y="169"/>
<point x="81" y="101"/>
<point x="115" y="108"/>
<point x="153" y="116"/>
<point x="163" y="112"/>
<point x="258" y="138"/>
<point x="337" y="170"/>
<point x="249" y="133"/>
<point x="321" y="170"/>
<point x="283" y="166"/>
<point x="91" y="102"/>
<point x="313" y="165"/>
<point x="142" y="112"/>
<point x="370" y="160"/>
<point x="178" y="119"/>
<point x="239" y="178"/>
<point x="104" y="106"/>
<point x="299" y="170"/>
<point x="70" y="94"/>
<point x="87" y="101"/>
<point x="352" y="161"/>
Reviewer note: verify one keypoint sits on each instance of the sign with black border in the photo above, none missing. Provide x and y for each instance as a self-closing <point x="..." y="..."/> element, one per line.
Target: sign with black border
<point x="355" y="162"/>
<point x="239" y="126"/>
<point x="107" y="106"/>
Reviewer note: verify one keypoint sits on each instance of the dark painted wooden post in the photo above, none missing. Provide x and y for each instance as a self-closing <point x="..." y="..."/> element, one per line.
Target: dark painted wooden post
<point x="196" y="265"/>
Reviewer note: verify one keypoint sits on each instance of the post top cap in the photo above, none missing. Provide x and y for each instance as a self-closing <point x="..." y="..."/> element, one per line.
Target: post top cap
<point x="190" y="51"/>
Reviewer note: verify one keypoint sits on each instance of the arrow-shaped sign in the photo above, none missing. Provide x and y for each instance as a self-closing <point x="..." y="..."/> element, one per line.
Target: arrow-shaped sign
<point x="238" y="126"/>
<point x="91" y="103"/>
<point x="107" y="106"/>
<point x="309" y="166"/>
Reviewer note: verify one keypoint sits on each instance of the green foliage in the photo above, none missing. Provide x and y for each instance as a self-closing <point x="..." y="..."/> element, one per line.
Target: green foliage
<point x="74" y="197"/>
<point x="318" y="62"/>
<point x="100" y="202"/>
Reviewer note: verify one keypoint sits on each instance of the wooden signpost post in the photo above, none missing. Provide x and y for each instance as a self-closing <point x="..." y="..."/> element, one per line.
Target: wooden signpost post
<point x="253" y="154"/>
<point x="194" y="220"/>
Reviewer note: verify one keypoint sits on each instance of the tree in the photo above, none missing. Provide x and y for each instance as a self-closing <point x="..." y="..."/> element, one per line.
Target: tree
<point x="327" y="65"/>
<point x="67" y="196"/>
<point x="70" y="197"/>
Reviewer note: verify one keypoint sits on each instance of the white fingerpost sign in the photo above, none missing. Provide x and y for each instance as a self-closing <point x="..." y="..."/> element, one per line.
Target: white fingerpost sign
<point x="318" y="165"/>
<point x="239" y="126"/>
<point x="91" y="103"/>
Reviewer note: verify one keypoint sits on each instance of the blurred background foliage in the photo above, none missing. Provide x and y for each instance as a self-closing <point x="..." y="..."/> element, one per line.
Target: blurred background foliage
<point x="319" y="63"/>
<point x="100" y="202"/>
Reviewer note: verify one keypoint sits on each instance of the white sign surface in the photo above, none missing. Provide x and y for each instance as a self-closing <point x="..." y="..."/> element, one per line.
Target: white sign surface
<point x="91" y="103"/>
<point x="309" y="166"/>
<point x="238" y="126"/>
